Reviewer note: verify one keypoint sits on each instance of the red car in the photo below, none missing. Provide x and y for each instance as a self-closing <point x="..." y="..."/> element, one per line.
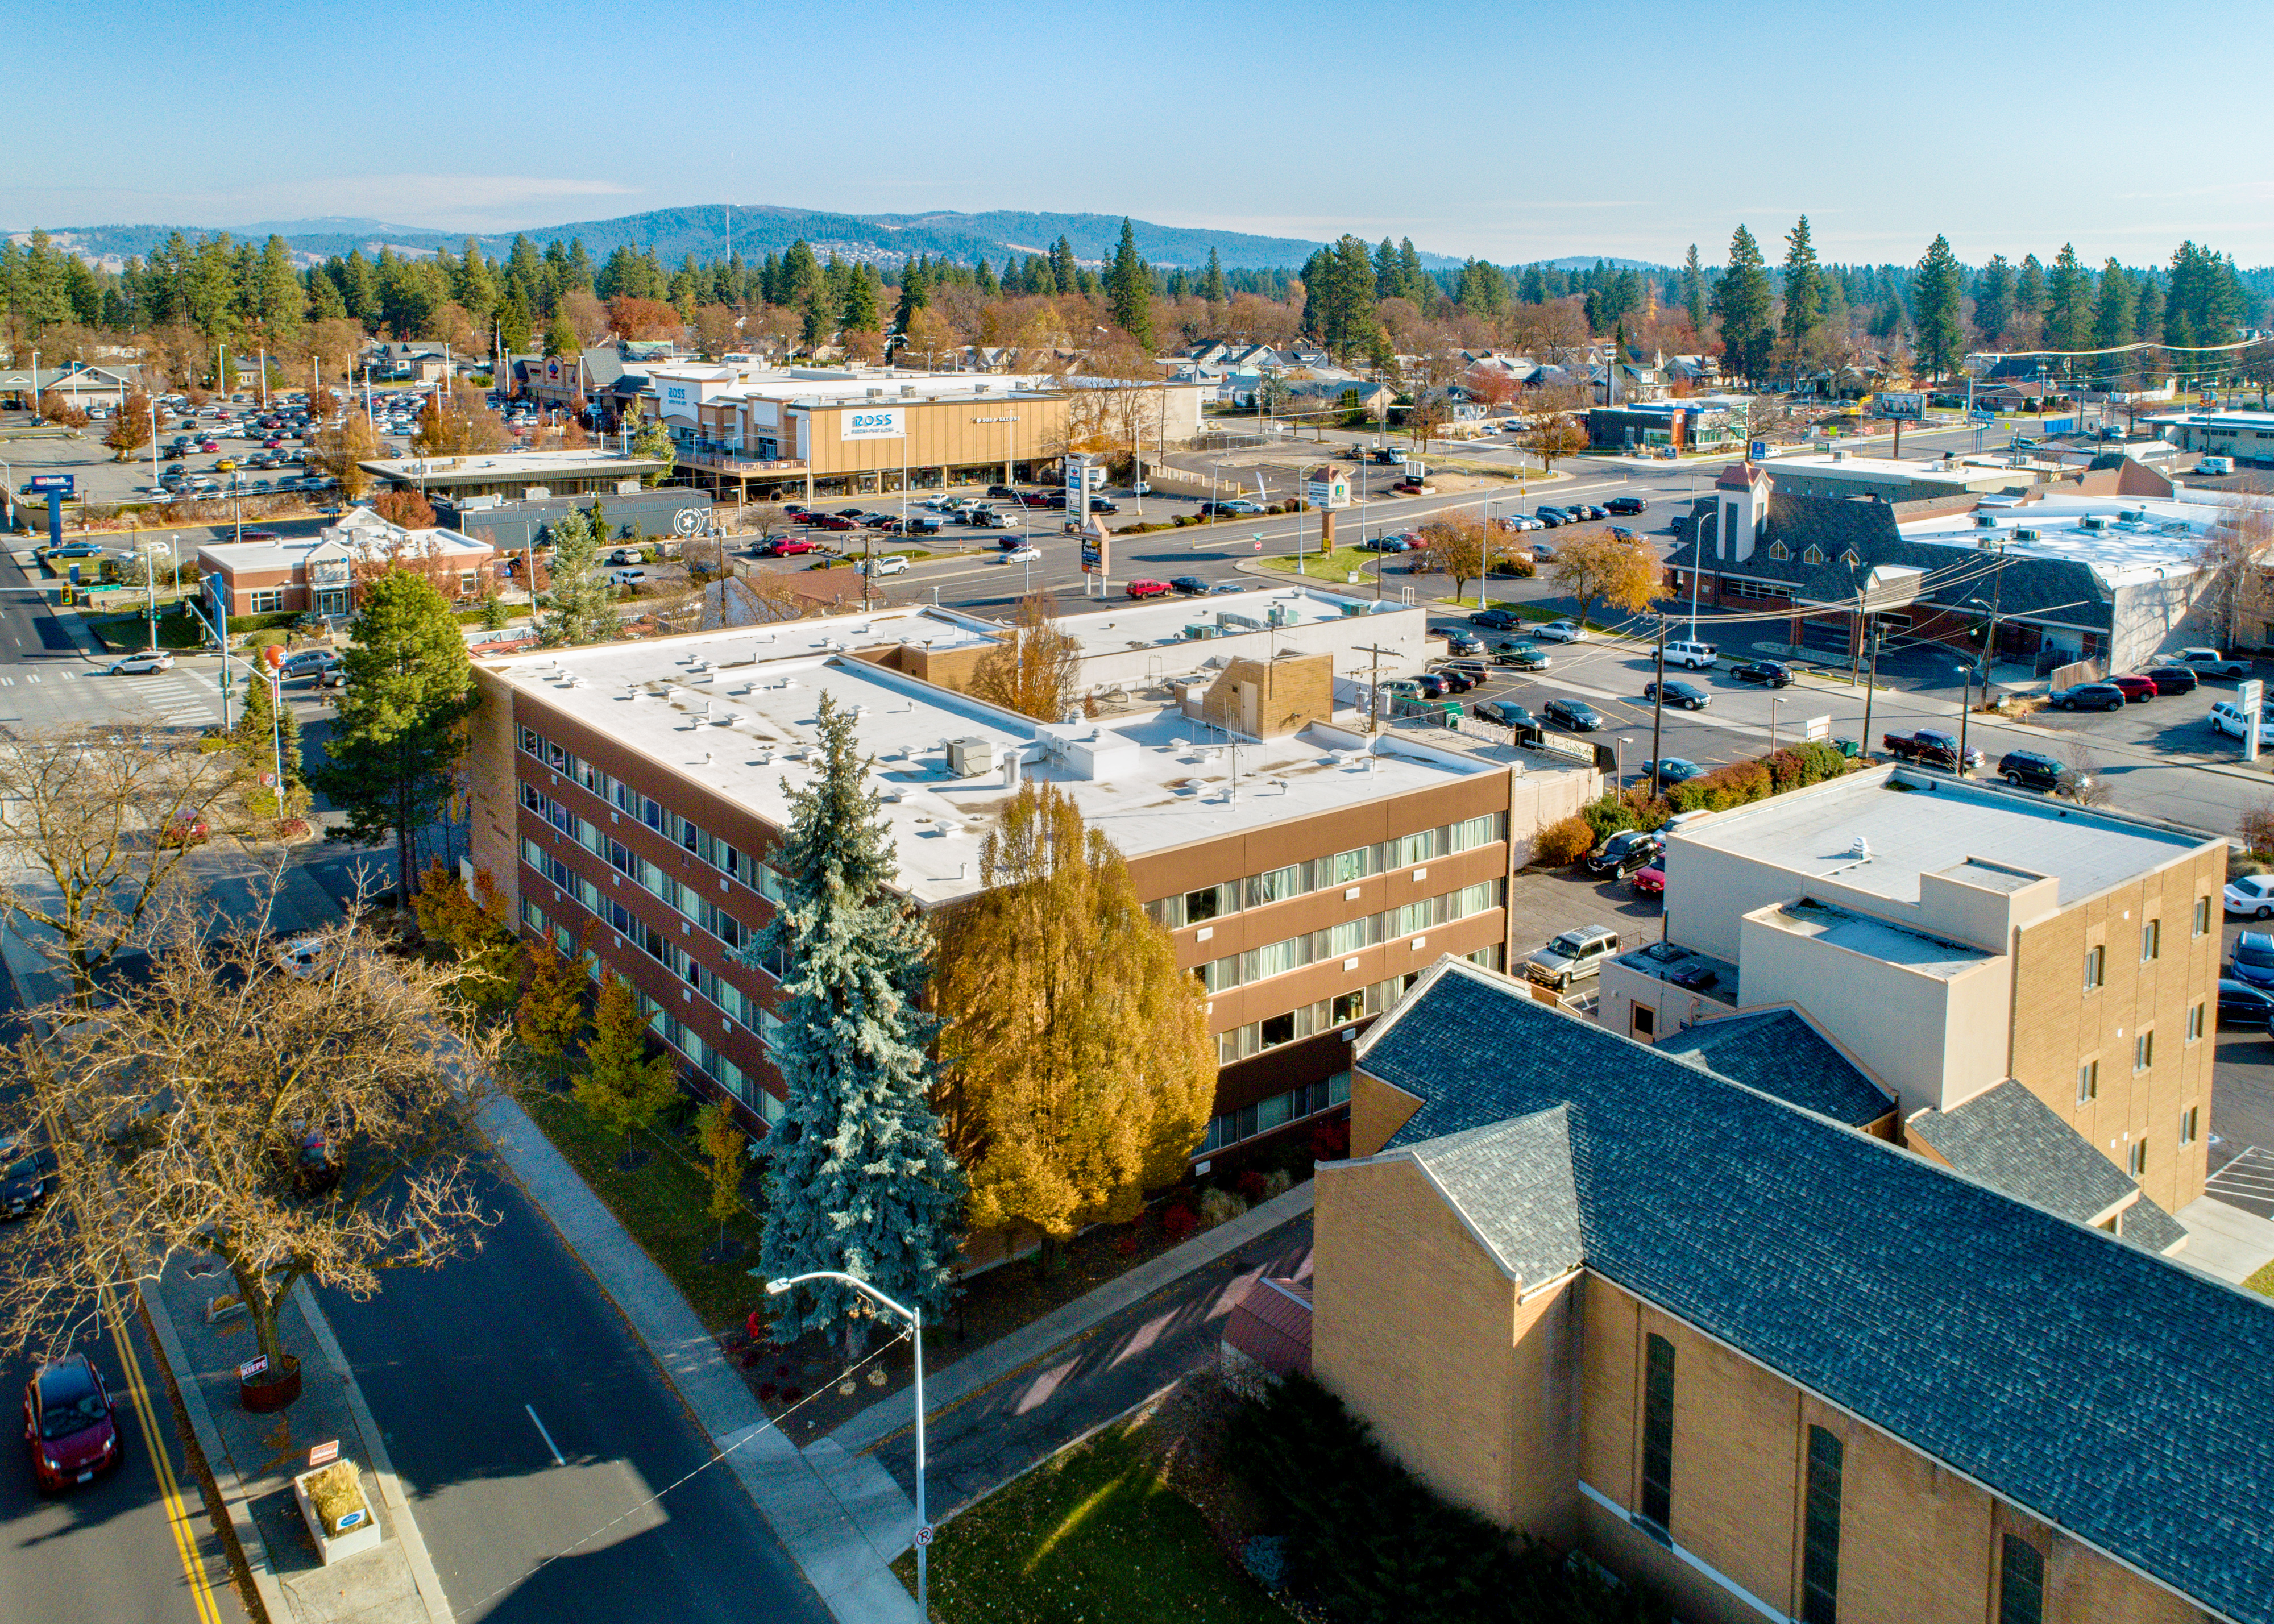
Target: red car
<point x="1650" y="882"/>
<point x="1149" y="588"/>
<point x="208" y="444"/>
<point x="2135" y="687"/>
<point x="783" y="546"/>
<point x="829" y="522"/>
<point x="67" y="1423"/>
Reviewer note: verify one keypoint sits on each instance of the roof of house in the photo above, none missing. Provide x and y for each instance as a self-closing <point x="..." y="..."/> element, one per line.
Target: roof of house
<point x="2011" y="1141"/>
<point x="1780" y="1053"/>
<point x="1271" y="1325"/>
<point x="2107" y="1389"/>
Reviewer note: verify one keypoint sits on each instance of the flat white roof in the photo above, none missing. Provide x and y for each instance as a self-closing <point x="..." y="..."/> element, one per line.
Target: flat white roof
<point x="2167" y="540"/>
<point x="288" y="550"/>
<point x="1929" y="471"/>
<point x="736" y="711"/>
<point x="1857" y="933"/>
<point x="1149" y="623"/>
<point x="1911" y="831"/>
<point x="512" y="464"/>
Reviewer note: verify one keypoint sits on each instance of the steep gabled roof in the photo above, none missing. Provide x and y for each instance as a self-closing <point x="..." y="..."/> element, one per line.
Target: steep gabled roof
<point x="1780" y="1053"/>
<point x="2089" y="1382"/>
<point x="2010" y="1140"/>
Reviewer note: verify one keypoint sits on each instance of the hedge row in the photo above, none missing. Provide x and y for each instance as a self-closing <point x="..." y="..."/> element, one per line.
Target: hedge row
<point x="1734" y="785"/>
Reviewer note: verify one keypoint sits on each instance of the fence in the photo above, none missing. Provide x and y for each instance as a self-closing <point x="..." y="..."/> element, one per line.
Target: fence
<point x="2075" y="672"/>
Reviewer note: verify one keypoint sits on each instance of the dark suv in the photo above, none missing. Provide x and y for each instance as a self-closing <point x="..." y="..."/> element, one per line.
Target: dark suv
<point x="2028" y="770"/>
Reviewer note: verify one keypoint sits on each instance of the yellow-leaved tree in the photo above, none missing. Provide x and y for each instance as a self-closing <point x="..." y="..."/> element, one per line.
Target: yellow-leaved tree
<point x="1079" y="1065"/>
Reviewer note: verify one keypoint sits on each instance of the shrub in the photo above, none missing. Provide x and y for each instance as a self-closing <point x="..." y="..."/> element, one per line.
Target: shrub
<point x="1250" y="1184"/>
<point x="1608" y="816"/>
<point x="1787" y="771"/>
<point x="1330" y="1141"/>
<point x="2258" y="829"/>
<point x="1177" y="1221"/>
<point x="1564" y="843"/>
<point x="1279" y="1181"/>
<point x="1221" y="1206"/>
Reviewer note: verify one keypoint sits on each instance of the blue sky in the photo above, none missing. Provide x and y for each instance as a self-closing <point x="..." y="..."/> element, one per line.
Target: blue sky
<point x="1515" y="131"/>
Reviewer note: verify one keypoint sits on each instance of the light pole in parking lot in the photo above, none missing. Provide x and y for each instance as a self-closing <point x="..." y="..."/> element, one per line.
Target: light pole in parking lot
<point x="1623" y="761"/>
<point x="1965" y="709"/>
<point x="1775" y="706"/>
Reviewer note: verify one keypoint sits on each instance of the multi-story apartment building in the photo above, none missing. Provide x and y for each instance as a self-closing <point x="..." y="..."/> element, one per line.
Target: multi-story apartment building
<point x="629" y="795"/>
<point x="1691" y="1314"/>
<point x="1951" y="936"/>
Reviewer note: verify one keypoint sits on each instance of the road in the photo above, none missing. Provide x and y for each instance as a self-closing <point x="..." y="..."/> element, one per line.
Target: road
<point x="480" y="1371"/>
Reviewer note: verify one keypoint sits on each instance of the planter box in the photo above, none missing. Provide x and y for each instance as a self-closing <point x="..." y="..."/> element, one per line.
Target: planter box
<point x="349" y="1542"/>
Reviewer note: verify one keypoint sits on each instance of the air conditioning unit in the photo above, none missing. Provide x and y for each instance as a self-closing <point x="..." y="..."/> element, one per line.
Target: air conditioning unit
<point x="2025" y="535"/>
<point x="968" y="758"/>
<point x="1985" y="522"/>
<point x="2093" y="521"/>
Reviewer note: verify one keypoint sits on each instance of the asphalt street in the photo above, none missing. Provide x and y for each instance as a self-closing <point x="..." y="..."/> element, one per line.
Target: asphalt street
<point x="527" y="1423"/>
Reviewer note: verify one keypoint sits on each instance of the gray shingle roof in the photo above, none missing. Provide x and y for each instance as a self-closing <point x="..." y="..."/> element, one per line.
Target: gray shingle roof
<point x="2111" y="1391"/>
<point x="2011" y="1141"/>
<point x="1779" y="1053"/>
<point x="1512" y="1181"/>
<point x="2150" y="1228"/>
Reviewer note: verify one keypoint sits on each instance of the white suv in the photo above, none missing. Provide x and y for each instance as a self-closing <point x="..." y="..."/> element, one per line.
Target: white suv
<point x="1690" y="655"/>
<point x="2231" y="719"/>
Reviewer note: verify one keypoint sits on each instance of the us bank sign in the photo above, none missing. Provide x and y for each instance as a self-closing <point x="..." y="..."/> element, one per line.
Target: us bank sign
<point x="874" y="423"/>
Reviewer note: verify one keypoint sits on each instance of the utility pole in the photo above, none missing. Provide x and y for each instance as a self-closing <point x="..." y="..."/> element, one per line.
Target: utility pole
<point x="1373" y="686"/>
<point x="1863" y="745"/>
<point x="1657" y="711"/>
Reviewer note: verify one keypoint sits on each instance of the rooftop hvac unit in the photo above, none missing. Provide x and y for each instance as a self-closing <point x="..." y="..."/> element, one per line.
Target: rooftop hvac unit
<point x="2025" y="535"/>
<point x="2134" y="515"/>
<point x="1985" y="522"/>
<point x="2093" y="521"/>
<point x="969" y="758"/>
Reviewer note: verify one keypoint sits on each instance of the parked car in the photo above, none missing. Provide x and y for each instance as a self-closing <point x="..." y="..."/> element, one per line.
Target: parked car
<point x="1190" y="586"/>
<point x="1455" y="680"/>
<point x="1649" y="882"/>
<point x="27" y="1178"/>
<point x="1542" y="553"/>
<point x="1461" y="642"/>
<point x="147" y="663"/>
<point x="2138" y="690"/>
<point x="828" y="522"/>
<point x="2172" y="679"/>
<point x="1691" y="656"/>
<point x="1931" y="746"/>
<point x="2242" y="1004"/>
<point x="1239" y="504"/>
<point x="2086" y="697"/>
<point x="1386" y="544"/>
<point x="1561" y="631"/>
<point x="1766" y="673"/>
<point x="1504" y="713"/>
<point x="69" y="1424"/>
<point x="1552" y="517"/>
<point x="2232" y="721"/>
<point x="1148" y="589"/>
<point x="1495" y="620"/>
<point x="891" y="564"/>
<point x="1672" y="769"/>
<point x="1003" y="490"/>
<point x="2029" y="769"/>
<point x="1520" y="653"/>
<point x="1625" y="504"/>
<point x="1577" y="715"/>
<point x="782" y="546"/>
<point x="1625" y="852"/>
<point x="2211" y="663"/>
<point x="1688" y="696"/>
<point x="1434" y="686"/>
<point x="1572" y="957"/>
<point x="2254" y="959"/>
<point x="2251" y="895"/>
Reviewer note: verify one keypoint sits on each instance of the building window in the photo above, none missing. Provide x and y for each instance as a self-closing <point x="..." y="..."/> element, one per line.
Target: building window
<point x="268" y="600"/>
<point x="2202" y="916"/>
<point x="2020" y="1583"/>
<point x="1645" y="1022"/>
<point x="1820" y="1562"/>
<point x="2194" y="1021"/>
<point x="2151" y="940"/>
<point x="2096" y="968"/>
<point x="2137" y="1162"/>
<point x="1779" y="551"/>
<point x="2144" y="1050"/>
<point x="1658" y="1431"/>
<point x="2088" y="1082"/>
<point x="2188" y="1125"/>
<point x="1814" y="555"/>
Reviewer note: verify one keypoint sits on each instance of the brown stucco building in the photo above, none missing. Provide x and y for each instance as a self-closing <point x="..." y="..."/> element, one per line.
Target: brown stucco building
<point x="1685" y="1312"/>
<point x="273" y="575"/>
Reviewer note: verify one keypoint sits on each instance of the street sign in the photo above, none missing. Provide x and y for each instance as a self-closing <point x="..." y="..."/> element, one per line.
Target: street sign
<point x="323" y="1455"/>
<point x="1257" y="541"/>
<point x="1817" y="730"/>
<point x="923" y="1534"/>
<point x="257" y="1365"/>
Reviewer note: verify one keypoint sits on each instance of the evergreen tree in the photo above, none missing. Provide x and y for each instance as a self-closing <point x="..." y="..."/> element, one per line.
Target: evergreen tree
<point x="1387" y="284"/>
<point x="266" y="733"/>
<point x="1941" y="327"/>
<point x="280" y="302"/>
<point x="1803" y="297"/>
<point x="622" y="1088"/>
<point x="2113" y="311"/>
<point x="801" y="275"/>
<point x="584" y="606"/>
<point x="1994" y="299"/>
<point x="1741" y="304"/>
<point x="561" y="337"/>
<point x="985" y="274"/>
<point x="916" y="293"/>
<point x="1063" y="271"/>
<point x="2148" y="310"/>
<point x="474" y="287"/>
<point x="862" y="301"/>
<point x="862" y="1181"/>
<point x="515" y="323"/>
<point x="1071" y="1093"/>
<point x="2029" y="287"/>
<point x="2068" y="302"/>
<point x="1413" y="284"/>
<point x="1012" y="279"/>
<point x="1212" y="288"/>
<point x="1130" y="285"/>
<point x="1693" y="290"/>
<point x="395" y="745"/>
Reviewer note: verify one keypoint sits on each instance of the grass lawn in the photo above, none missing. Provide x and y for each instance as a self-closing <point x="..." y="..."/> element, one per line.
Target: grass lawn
<point x="129" y="633"/>
<point x="661" y="1203"/>
<point x="1093" y="1535"/>
<point x="2262" y="1282"/>
<point x="1336" y="566"/>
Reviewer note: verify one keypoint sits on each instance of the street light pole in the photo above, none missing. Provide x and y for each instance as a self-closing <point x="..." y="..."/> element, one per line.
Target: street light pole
<point x="1775" y="706"/>
<point x="775" y="1288"/>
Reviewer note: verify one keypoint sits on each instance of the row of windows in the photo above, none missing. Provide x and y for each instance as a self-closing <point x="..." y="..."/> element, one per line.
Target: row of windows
<point x="1322" y="873"/>
<point x="1276" y="1112"/>
<point x="684" y="898"/>
<point x="1311" y="947"/>
<point x="2151" y="946"/>
<point x="1242" y="1042"/>
<point x="727" y="859"/>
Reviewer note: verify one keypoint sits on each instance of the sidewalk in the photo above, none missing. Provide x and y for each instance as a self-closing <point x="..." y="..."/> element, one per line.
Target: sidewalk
<point x="255" y="1457"/>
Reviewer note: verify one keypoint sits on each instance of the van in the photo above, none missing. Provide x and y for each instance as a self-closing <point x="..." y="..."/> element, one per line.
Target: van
<point x="1690" y="655"/>
<point x="2215" y="465"/>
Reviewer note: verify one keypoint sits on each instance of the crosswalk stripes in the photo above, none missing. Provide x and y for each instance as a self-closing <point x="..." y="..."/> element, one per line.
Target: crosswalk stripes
<point x="179" y="701"/>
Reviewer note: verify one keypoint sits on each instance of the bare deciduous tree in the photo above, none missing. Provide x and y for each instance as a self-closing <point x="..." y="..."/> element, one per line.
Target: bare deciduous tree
<point x="1553" y="436"/>
<point x="2234" y="559"/>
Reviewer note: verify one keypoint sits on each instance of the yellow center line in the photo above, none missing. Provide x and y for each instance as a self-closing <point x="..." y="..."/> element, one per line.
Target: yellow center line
<point x="179" y="1518"/>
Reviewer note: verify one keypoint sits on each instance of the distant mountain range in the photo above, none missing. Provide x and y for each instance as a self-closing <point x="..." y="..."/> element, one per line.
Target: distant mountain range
<point x="758" y="230"/>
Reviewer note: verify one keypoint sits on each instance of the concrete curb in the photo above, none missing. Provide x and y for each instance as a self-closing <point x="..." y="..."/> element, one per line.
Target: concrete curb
<point x="945" y="1388"/>
<point x="391" y="1487"/>
<point x="265" y="1582"/>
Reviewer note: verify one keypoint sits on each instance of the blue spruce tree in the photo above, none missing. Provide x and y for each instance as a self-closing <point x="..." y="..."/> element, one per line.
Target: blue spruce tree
<point x="862" y="1182"/>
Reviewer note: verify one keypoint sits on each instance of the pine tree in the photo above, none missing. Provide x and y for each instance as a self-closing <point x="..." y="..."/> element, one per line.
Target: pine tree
<point x="515" y="323"/>
<point x="1064" y="269"/>
<point x="1936" y="294"/>
<point x="916" y="294"/>
<point x="2147" y="312"/>
<point x="1413" y="284"/>
<point x="1803" y="295"/>
<point x="863" y="1183"/>
<point x="1741" y="303"/>
<point x="1212" y="288"/>
<point x="561" y="337"/>
<point x="1994" y="299"/>
<point x="1693" y="290"/>
<point x="265" y="732"/>
<point x="861" y="314"/>
<point x="1129" y="284"/>
<point x="2113" y="311"/>
<point x="985" y="274"/>
<point x="2068" y="302"/>
<point x="1072" y="1092"/>
<point x="622" y="1088"/>
<point x="2029" y="287"/>
<point x="396" y="742"/>
<point x="584" y="606"/>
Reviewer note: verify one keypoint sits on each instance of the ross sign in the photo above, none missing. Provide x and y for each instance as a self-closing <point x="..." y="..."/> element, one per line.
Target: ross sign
<point x="257" y="1365"/>
<point x="323" y="1455"/>
<point x="873" y="423"/>
<point x="63" y="484"/>
<point x="1900" y="403"/>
